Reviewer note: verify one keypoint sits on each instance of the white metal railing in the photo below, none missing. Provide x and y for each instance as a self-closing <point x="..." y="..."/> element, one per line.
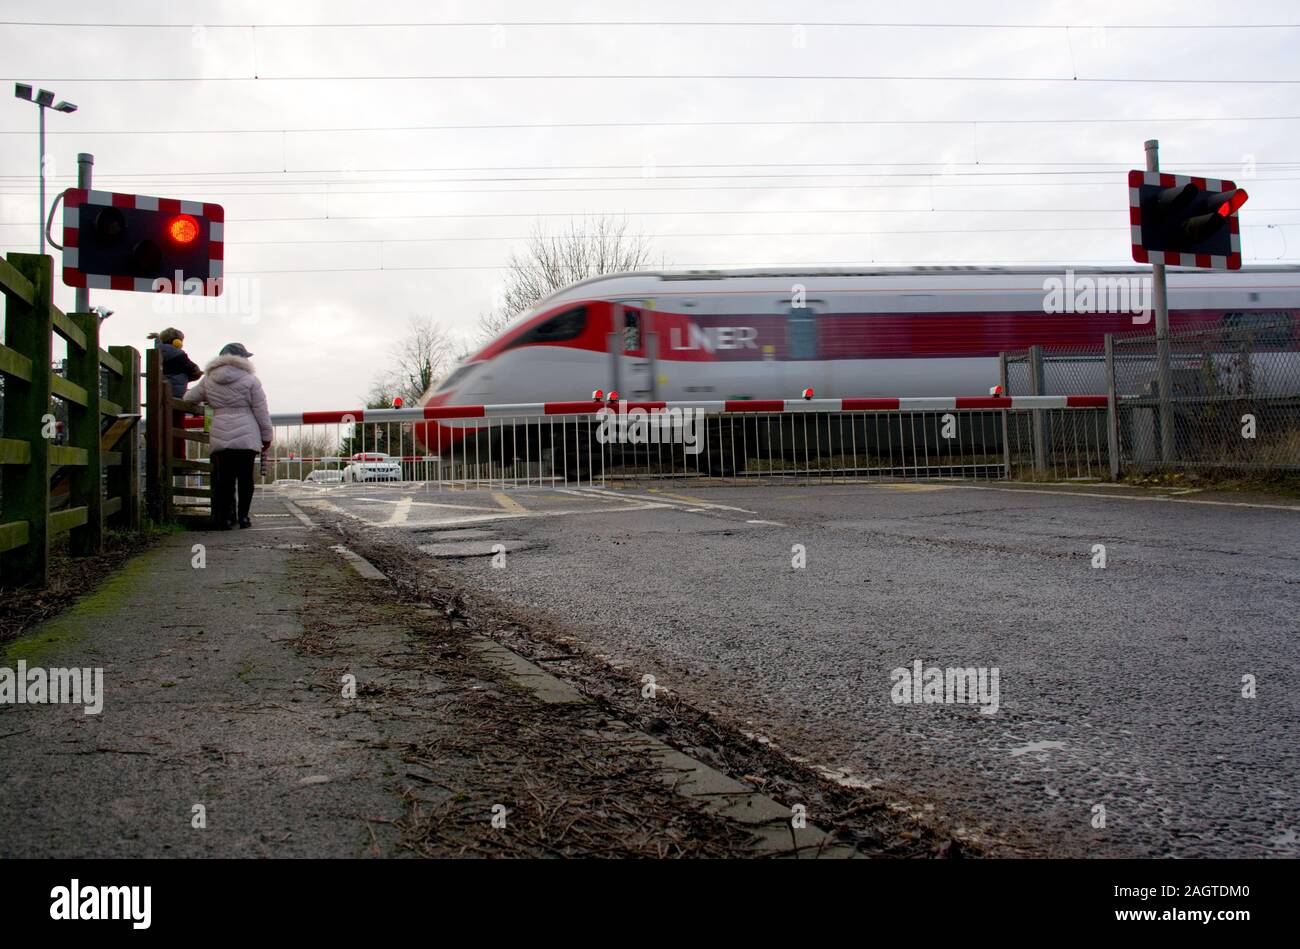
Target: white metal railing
<point x="457" y="447"/>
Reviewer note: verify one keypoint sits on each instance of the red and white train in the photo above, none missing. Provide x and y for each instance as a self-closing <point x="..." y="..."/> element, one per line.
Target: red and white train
<point x="769" y="334"/>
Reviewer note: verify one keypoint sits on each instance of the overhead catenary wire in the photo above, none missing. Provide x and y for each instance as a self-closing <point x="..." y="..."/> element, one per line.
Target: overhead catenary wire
<point x="685" y="212"/>
<point x="676" y="235"/>
<point x="406" y="192"/>
<point x="942" y="169"/>
<point x="685" y="123"/>
<point x="674" y="77"/>
<point x="874" y="24"/>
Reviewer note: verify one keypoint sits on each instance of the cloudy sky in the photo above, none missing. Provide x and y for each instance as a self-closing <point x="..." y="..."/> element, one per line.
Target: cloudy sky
<point x="372" y="173"/>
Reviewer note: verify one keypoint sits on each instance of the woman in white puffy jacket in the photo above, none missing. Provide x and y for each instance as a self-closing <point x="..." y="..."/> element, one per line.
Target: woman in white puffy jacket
<point x="241" y="427"/>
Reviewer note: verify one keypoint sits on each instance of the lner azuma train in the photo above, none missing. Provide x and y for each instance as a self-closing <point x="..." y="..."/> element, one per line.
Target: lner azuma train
<point x="845" y="333"/>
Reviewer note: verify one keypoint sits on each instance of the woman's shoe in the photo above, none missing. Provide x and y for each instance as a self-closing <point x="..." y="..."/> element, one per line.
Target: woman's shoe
<point x="245" y="522"/>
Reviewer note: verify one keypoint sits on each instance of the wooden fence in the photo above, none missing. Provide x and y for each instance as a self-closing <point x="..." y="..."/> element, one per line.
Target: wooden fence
<point x="74" y="477"/>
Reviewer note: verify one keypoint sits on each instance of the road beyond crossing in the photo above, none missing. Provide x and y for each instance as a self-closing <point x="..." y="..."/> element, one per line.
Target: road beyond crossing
<point x="1122" y="725"/>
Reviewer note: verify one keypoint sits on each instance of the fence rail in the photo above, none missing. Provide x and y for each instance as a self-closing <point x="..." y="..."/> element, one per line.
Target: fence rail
<point x="73" y="475"/>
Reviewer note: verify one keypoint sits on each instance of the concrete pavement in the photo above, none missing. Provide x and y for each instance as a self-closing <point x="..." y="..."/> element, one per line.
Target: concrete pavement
<point x="268" y="693"/>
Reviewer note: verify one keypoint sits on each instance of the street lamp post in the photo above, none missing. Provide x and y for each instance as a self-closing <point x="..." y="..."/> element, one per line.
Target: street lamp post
<point x="43" y="100"/>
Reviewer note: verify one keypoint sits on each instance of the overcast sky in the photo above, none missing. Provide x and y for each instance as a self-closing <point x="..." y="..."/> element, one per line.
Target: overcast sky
<point x="362" y="187"/>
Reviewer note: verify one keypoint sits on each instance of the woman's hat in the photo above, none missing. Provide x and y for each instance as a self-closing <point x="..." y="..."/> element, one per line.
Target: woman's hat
<point x="235" y="349"/>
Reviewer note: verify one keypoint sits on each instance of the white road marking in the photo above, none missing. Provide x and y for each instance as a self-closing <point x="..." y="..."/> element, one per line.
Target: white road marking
<point x="1294" y="508"/>
<point x="297" y="512"/>
<point x="364" y="568"/>
<point x="701" y="502"/>
<point x="401" y="511"/>
<point x="680" y="502"/>
<point x="406" y="500"/>
<point x="489" y="515"/>
<point x="508" y="503"/>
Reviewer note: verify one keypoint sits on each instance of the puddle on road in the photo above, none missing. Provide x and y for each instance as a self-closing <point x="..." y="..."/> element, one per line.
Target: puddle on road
<point x="1037" y="746"/>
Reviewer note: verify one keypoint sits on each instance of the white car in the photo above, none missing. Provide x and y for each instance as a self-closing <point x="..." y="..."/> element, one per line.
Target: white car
<point x="372" y="467"/>
<point x="323" y="476"/>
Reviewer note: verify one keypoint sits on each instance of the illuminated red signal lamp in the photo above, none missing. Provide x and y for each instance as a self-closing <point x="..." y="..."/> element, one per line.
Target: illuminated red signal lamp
<point x="183" y="229"/>
<point x="1235" y="200"/>
<point x="807" y="393"/>
<point x="613" y="397"/>
<point x="597" y="395"/>
<point x="397" y="402"/>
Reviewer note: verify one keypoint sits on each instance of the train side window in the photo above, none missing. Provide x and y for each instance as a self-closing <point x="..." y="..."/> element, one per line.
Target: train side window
<point x="801" y="333"/>
<point x="558" y="329"/>
<point x="1267" y="329"/>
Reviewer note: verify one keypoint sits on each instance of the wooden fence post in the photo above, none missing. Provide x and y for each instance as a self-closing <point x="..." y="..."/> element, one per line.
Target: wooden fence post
<point x="124" y="479"/>
<point x="27" y="416"/>
<point x="157" y="437"/>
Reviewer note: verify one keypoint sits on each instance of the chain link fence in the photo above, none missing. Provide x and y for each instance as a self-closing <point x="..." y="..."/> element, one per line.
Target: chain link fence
<point x="1234" y="392"/>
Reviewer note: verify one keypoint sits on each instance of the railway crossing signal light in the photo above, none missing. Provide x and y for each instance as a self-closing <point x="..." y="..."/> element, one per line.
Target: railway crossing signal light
<point x="397" y="402"/>
<point x="1185" y="221"/>
<point x="134" y="242"/>
<point x="807" y="394"/>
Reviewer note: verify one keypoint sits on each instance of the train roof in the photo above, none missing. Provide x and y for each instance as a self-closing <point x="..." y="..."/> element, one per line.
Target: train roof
<point x="650" y="280"/>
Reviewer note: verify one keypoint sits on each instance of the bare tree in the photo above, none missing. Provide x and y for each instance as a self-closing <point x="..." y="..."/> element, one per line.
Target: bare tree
<point x="550" y="261"/>
<point x="304" y="444"/>
<point x="419" y="359"/>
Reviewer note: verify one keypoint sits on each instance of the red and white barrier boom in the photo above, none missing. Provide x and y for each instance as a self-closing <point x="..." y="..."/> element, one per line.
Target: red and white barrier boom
<point x="719" y="407"/>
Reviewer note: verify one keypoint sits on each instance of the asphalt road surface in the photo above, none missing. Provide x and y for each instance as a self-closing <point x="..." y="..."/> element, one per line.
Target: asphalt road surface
<point x="1121" y="723"/>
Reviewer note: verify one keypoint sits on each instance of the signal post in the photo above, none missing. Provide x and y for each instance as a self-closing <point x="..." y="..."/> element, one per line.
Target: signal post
<point x="1187" y="222"/>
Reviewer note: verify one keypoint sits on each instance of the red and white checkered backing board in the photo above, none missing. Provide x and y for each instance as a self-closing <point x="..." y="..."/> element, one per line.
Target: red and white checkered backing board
<point x="1213" y="261"/>
<point x="73" y="198"/>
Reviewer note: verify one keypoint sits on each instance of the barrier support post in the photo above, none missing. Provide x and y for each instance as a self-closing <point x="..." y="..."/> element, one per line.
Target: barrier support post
<point x="1006" y="432"/>
<point x="87" y="488"/>
<point x="1112" y="410"/>
<point x="1038" y="423"/>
